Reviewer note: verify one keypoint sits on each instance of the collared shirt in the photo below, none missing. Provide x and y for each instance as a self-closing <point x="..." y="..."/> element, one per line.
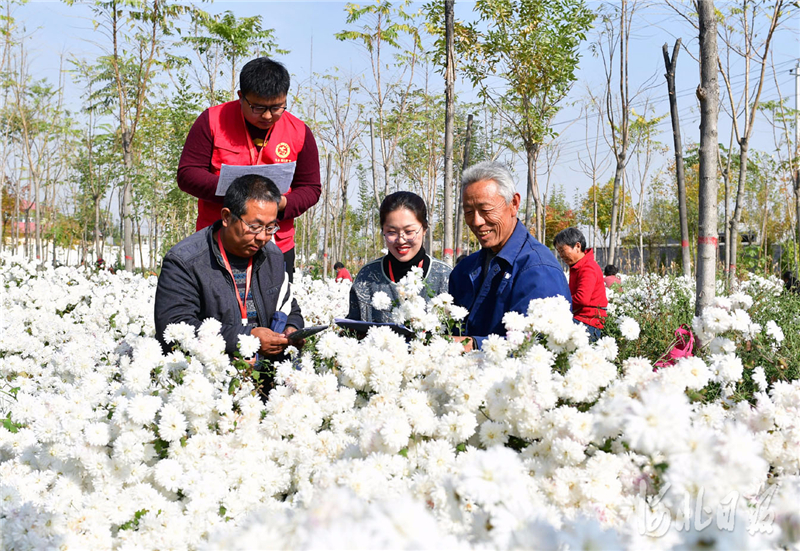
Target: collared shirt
<point x="523" y="270"/>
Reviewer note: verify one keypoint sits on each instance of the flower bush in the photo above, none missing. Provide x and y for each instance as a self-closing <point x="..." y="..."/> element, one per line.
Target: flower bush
<point x="538" y="440"/>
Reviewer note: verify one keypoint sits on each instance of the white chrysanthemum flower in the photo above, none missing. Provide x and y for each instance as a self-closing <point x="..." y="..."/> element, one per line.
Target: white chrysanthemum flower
<point x="774" y="331"/>
<point x="496" y="348"/>
<point x="169" y="474"/>
<point x="179" y="333"/>
<point x="142" y="409"/>
<point x="721" y="345"/>
<point x="97" y="434"/>
<point x="210" y="327"/>
<point x="381" y="301"/>
<point x="172" y="424"/>
<point x="514" y="321"/>
<point x="629" y="328"/>
<point x="493" y="434"/>
<point x="249" y="345"/>
<point x="760" y="378"/>
<point x="658" y="421"/>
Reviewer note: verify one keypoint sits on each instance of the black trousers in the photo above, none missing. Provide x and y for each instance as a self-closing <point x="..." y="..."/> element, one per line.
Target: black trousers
<point x="288" y="260"/>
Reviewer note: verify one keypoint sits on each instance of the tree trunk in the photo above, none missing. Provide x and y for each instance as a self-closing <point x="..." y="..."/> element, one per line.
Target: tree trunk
<point x="737" y="209"/>
<point x="374" y="163"/>
<point x="797" y="219"/>
<point x="708" y="94"/>
<point x="641" y="247"/>
<point x="612" y="232"/>
<point x="459" y="210"/>
<point x="727" y="226"/>
<point x="686" y="257"/>
<point x="127" y="202"/>
<point x="327" y="217"/>
<point x="594" y="213"/>
<point x="449" y="118"/>
<point x="620" y="149"/>
<point x="532" y="199"/>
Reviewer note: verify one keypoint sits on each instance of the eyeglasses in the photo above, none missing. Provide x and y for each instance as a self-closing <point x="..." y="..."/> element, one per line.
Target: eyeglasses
<point x="255" y="229"/>
<point x="409" y="236"/>
<point x="261" y="109"/>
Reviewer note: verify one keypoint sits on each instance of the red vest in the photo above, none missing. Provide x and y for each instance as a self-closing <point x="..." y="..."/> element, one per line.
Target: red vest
<point x="233" y="146"/>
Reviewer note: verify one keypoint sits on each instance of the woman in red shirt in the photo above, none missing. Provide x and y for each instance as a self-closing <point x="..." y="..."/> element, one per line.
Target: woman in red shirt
<point x="586" y="284"/>
<point x="342" y="273"/>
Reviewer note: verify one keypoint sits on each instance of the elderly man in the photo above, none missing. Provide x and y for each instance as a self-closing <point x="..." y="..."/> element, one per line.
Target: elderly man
<point x="232" y="271"/>
<point x="512" y="267"/>
<point x="586" y="283"/>
<point x="255" y="129"/>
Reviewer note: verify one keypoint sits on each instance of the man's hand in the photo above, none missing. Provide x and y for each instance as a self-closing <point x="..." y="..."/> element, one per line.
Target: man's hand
<point x="282" y="203"/>
<point x="271" y="342"/>
<point x="468" y="342"/>
<point x="288" y="331"/>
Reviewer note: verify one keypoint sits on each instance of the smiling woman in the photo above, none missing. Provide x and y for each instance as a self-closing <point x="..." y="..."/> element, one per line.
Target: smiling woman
<point x="404" y="223"/>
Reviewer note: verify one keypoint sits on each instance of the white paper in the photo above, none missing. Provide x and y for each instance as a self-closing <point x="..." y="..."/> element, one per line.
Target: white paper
<point x="280" y="173"/>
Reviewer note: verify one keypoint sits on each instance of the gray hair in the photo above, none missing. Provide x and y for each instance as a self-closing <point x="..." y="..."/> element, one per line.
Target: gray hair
<point x="569" y="237"/>
<point x="490" y="170"/>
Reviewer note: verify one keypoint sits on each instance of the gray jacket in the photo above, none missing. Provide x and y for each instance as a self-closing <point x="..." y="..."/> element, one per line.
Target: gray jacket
<point x="194" y="285"/>
<point x="372" y="279"/>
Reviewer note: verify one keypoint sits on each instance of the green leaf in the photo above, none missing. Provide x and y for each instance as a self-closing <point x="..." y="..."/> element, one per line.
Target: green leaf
<point x="133" y="524"/>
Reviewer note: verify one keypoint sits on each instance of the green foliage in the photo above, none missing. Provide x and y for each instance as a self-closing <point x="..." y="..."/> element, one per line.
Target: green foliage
<point x="604" y="195"/>
<point x="382" y="23"/>
<point x="661" y="305"/>
<point x="532" y="47"/>
<point x="659" y="308"/>
<point x="559" y="216"/>
<point x="133" y="524"/>
<point x="10" y="425"/>
<point x="780" y="363"/>
<point x="228" y="37"/>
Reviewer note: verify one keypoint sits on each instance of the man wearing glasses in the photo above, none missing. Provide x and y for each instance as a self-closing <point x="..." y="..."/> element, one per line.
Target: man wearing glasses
<point x="233" y="272"/>
<point x="253" y="130"/>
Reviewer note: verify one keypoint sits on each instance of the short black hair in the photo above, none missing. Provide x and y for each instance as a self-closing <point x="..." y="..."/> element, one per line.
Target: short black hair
<point x="610" y="270"/>
<point x="405" y="200"/>
<point x="248" y="188"/>
<point x="569" y="237"/>
<point x="264" y="77"/>
<point x="338" y="266"/>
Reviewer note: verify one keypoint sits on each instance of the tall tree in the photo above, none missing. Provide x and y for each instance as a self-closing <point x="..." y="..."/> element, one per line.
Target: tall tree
<point x="616" y="36"/>
<point x="383" y="27"/>
<point x="224" y="37"/>
<point x="137" y="31"/>
<point x="532" y="48"/>
<point x="343" y="123"/>
<point x="741" y="37"/>
<point x="686" y="256"/>
<point x="449" y="118"/>
<point x="708" y="94"/>
<point x="592" y="164"/>
<point x="645" y="147"/>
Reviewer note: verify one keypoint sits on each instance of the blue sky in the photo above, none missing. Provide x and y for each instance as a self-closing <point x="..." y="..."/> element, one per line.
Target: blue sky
<point x="56" y="27"/>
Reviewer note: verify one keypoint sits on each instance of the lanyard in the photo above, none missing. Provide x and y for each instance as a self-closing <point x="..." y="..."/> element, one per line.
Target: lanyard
<point x="391" y="273"/>
<point x="256" y="154"/>
<point x="242" y="307"/>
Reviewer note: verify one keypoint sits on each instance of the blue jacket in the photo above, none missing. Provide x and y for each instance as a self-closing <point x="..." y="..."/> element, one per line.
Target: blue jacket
<point x="523" y="270"/>
<point x="194" y="285"/>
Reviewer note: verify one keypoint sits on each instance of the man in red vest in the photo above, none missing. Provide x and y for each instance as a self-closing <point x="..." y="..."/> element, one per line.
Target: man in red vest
<point x="256" y="129"/>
